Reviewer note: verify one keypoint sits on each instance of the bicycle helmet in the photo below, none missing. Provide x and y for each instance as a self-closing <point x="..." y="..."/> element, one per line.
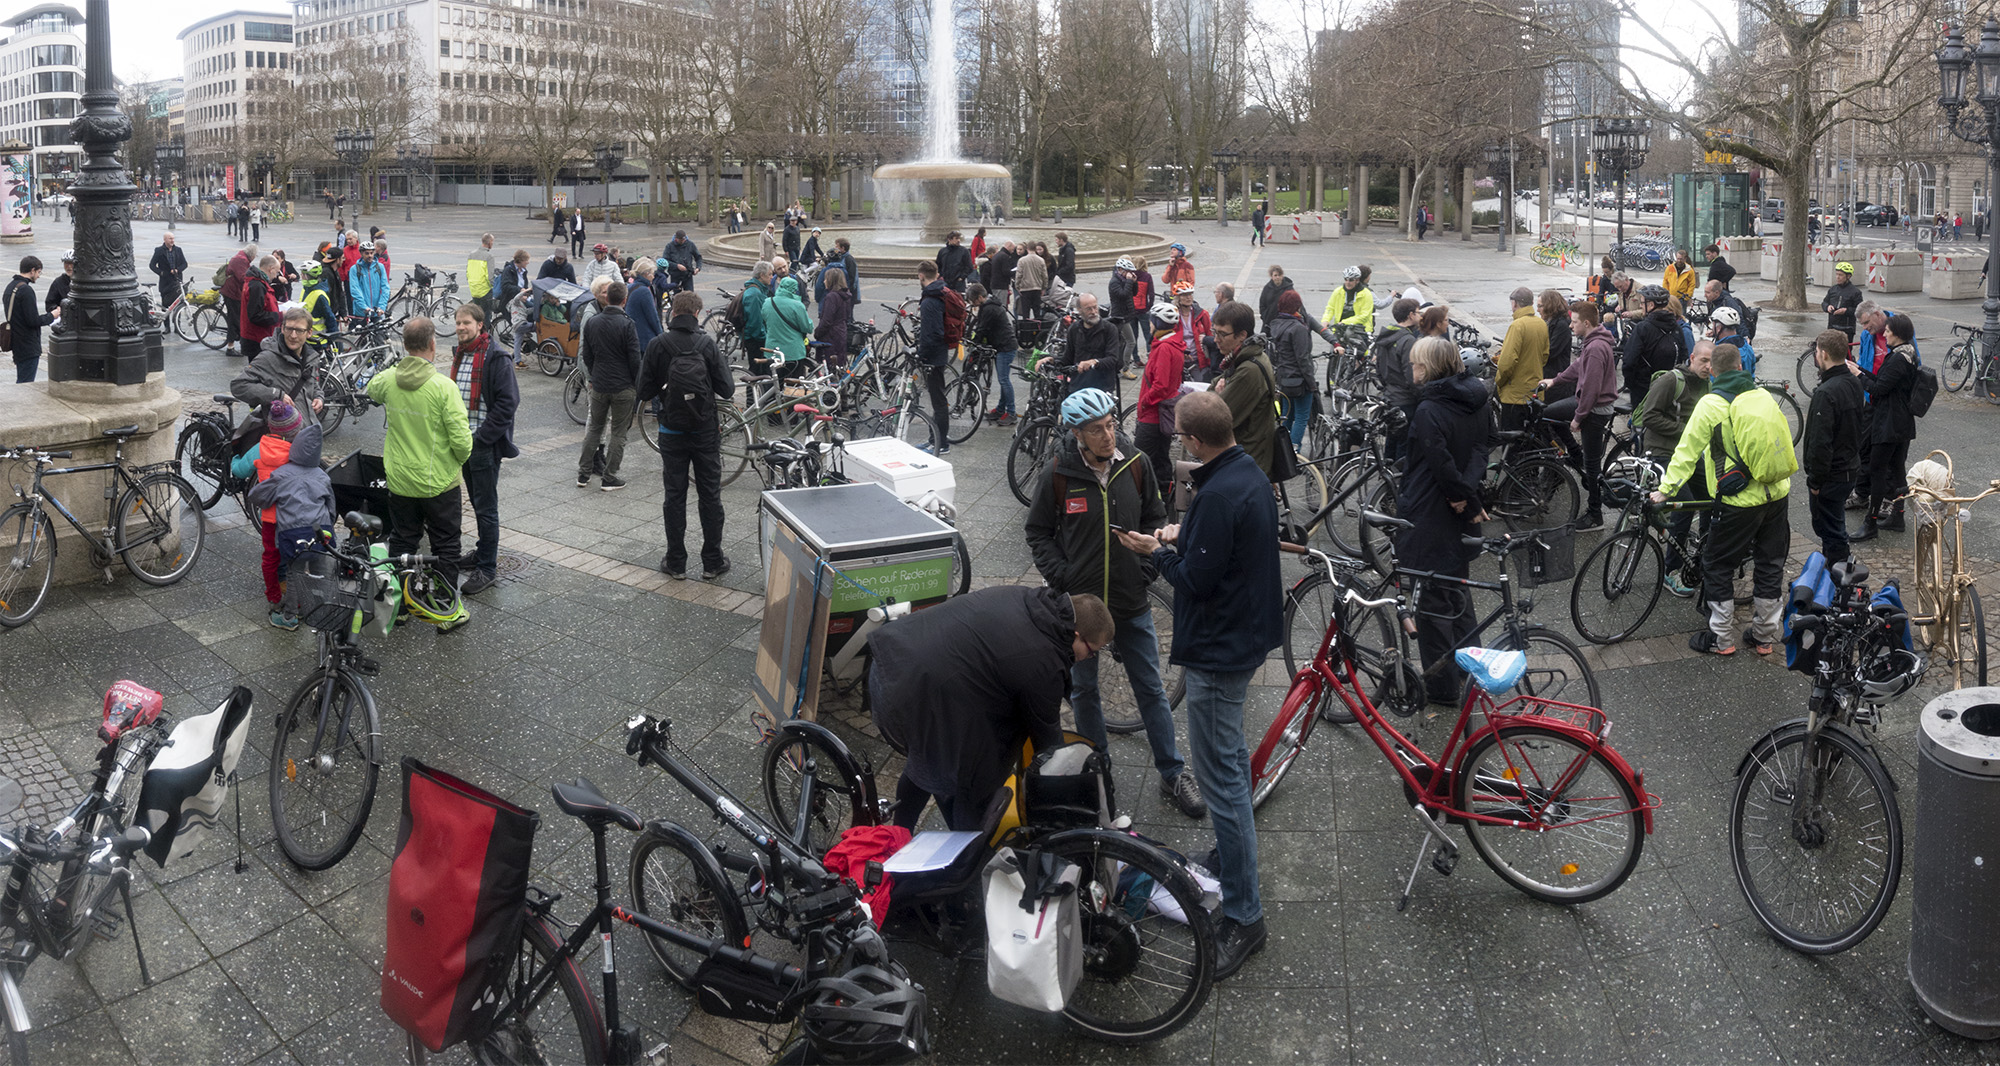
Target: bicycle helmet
<point x="1725" y="315"/>
<point x="867" y="1014"/>
<point x="1124" y="263"/>
<point x="1087" y="405"/>
<point x="1352" y="273"/>
<point x="1476" y="361"/>
<point x="1888" y="672"/>
<point x="1166" y="316"/>
<point x="1654" y="294"/>
<point x="1178" y="247"/>
<point x="69" y="255"/>
<point x="1182" y="288"/>
<point x="313" y="271"/>
<point x="1844" y="268"/>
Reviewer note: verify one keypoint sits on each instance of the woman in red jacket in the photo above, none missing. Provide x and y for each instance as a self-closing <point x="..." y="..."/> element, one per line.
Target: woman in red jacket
<point x="1159" y="390"/>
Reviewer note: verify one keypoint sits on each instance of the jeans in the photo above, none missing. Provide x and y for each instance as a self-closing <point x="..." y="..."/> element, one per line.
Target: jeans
<point x="617" y="407"/>
<point x="1222" y="768"/>
<point x="1004" y="370"/>
<point x="1828" y="506"/>
<point x="25" y="366"/>
<point x="482" y="487"/>
<point x="1302" y="413"/>
<point x="411" y="519"/>
<point x="1138" y="644"/>
<point x="700" y="451"/>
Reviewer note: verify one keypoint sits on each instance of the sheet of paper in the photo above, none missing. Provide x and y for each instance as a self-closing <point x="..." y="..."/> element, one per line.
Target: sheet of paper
<point x="929" y="851"/>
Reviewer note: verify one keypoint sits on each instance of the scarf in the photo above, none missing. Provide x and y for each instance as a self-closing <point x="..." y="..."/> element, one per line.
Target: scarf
<point x="479" y="346"/>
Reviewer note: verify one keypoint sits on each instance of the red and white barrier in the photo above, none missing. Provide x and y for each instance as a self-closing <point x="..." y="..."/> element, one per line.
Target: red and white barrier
<point x="1896" y="271"/>
<point x="1954" y="277"/>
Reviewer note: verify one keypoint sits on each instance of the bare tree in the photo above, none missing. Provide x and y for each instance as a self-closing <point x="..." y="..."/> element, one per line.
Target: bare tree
<point x="814" y="77"/>
<point x="549" y="85"/>
<point x="370" y="82"/>
<point x="1203" y="57"/>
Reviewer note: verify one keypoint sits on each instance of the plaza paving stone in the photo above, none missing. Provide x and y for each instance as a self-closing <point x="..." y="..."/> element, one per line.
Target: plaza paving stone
<point x="280" y="965"/>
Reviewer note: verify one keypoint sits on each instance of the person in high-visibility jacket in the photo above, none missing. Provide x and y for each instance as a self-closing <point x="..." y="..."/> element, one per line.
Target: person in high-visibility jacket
<point x="1352" y="304"/>
<point x="480" y="270"/>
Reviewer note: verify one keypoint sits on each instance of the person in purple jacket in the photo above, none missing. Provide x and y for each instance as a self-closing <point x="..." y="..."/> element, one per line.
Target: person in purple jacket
<point x="1587" y="413"/>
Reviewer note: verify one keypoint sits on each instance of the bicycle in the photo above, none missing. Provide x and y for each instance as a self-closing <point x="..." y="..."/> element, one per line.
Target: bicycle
<point x="155" y="527"/>
<point x="1815" y="835"/>
<point x="1552" y="808"/>
<point x="1038" y="433"/>
<point x="1966" y="363"/>
<point x="1945" y="602"/>
<point x="342" y="378"/>
<point x="326" y="754"/>
<point x="419" y="295"/>
<point x="277" y="214"/>
<point x="203" y="453"/>
<point x="1620" y="582"/>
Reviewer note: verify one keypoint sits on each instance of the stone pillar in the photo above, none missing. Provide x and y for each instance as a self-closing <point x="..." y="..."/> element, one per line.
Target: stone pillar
<point x="701" y="205"/>
<point x="1357" y="198"/>
<point x="1547" y="195"/>
<point x="1465" y="207"/>
<point x="1441" y="194"/>
<point x="1319" y="187"/>
<point x="1403" y="198"/>
<point x="1270" y="180"/>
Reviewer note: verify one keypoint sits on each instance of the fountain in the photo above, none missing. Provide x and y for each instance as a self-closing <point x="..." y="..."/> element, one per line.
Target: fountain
<point x="941" y="174"/>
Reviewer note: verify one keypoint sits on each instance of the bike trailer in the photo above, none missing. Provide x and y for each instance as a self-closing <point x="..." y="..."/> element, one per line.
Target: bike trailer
<point x="1033" y="954"/>
<point x="457" y="897"/>
<point x="183" y="789"/>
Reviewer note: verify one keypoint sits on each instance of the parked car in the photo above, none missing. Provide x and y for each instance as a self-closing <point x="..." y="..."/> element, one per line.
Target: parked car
<point x="1875" y="215"/>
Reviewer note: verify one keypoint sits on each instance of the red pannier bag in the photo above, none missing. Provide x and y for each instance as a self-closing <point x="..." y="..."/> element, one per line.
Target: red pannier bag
<point x="458" y="892"/>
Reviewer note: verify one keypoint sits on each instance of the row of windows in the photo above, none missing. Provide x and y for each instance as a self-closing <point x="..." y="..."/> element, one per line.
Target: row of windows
<point x="213" y="88"/>
<point x="267" y="31"/>
<point x="212" y="113"/>
<point x="61" y="81"/>
<point x="35" y="110"/>
<point x="211" y="38"/>
<point x="319" y="64"/>
<point x="41" y="136"/>
<point x="41" y="55"/>
<point x="274" y="60"/>
<point x="215" y="64"/>
<point x="368" y="24"/>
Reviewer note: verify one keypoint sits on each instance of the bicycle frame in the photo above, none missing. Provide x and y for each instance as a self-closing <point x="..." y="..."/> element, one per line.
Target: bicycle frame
<point x="124" y="477"/>
<point x="1932" y="556"/>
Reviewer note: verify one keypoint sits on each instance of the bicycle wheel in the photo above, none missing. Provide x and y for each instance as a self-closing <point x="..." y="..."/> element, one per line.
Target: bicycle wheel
<point x="1350" y="484"/>
<point x="202" y="456"/>
<point x="1822" y="884"/>
<point x="1031" y="451"/>
<point x="1617" y="588"/>
<point x="965" y="400"/>
<point x="549" y="354"/>
<point x="323" y="778"/>
<point x="1285" y="737"/>
<point x="1965" y="649"/>
<point x="1956" y="370"/>
<point x="576" y="396"/>
<point x="840" y="796"/>
<point x="159" y="528"/>
<point x="1116" y="696"/>
<point x="1310" y="487"/>
<point x="1537" y="493"/>
<point x="1805" y="371"/>
<point x="1578" y="827"/>
<point x="211" y="327"/>
<point x="1556" y="668"/>
<point x="1986" y="379"/>
<point x="1795" y="416"/>
<point x="676" y="882"/>
<point x="181" y="321"/>
<point x="526" y="1033"/>
<point x="737" y="435"/>
<point x="333" y="410"/>
<point x="28" y="550"/>
<point x="1148" y="945"/>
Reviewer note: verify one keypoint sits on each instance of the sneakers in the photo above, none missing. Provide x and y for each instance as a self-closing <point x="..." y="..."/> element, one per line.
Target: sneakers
<point x="1185" y="793"/>
<point x="1674" y="586"/>
<point x="1755" y="645"/>
<point x="994" y="415"/>
<point x="1589" y="520"/>
<point x="583" y="481"/>
<point x="943" y="448"/>
<point x="1704" y="643"/>
<point x="479" y="582"/>
<point x="667" y="567"/>
<point x="611" y="483"/>
<point x="710" y="573"/>
<point x="1235" y="943"/>
<point x="281" y="620"/>
<point x="1007" y="418"/>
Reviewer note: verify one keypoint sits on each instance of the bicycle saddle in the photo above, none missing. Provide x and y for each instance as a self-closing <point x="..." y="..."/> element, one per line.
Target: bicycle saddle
<point x="1849" y="573"/>
<point x="1493" y="670"/>
<point x="122" y="432"/>
<point x="1622" y="407"/>
<point x="225" y="399"/>
<point x="582" y="800"/>
<point x="365" y="524"/>
<point x="1377" y="518"/>
<point x="1511" y="436"/>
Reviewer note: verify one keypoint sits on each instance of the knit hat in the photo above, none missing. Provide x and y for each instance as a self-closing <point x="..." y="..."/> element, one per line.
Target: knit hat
<point x="284" y="419"/>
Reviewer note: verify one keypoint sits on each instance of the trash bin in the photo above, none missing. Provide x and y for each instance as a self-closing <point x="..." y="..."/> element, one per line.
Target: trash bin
<point x="1143" y="216"/>
<point x="1955" y="929"/>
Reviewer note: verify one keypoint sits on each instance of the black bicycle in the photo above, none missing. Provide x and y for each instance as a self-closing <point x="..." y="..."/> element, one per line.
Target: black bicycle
<point x="1621" y="580"/>
<point x="203" y="453"/>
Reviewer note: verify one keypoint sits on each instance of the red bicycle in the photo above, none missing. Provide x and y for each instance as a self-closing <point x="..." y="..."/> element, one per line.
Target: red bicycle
<point x="1545" y="801"/>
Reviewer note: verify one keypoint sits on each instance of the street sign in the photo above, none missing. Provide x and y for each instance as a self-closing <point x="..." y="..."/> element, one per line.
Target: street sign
<point x="1926" y="237"/>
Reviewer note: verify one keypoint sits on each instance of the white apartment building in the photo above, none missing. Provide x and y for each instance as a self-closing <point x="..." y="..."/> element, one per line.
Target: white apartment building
<point x="41" y="87"/>
<point x="225" y="61"/>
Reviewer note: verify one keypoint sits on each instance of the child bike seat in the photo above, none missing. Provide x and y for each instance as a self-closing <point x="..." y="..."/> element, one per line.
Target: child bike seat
<point x="1493" y="670"/>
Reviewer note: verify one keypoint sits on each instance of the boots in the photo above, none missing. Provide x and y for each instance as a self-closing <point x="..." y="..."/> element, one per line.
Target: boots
<point x="1870" y="526"/>
<point x="1894" y="522"/>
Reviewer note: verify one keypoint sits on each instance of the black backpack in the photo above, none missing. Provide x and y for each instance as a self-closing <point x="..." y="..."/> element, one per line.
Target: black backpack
<point x="1923" y="390"/>
<point x="732" y="312"/>
<point x="687" y="398"/>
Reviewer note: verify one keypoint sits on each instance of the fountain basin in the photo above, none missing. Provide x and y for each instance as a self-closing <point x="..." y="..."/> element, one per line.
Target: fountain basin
<point x="883" y="254"/>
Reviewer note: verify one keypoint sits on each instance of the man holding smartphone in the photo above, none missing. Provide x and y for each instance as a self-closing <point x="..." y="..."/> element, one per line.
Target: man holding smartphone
<point x="1098" y="487"/>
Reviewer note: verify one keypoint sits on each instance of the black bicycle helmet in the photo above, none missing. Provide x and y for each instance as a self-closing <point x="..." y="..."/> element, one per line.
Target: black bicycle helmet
<point x="866" y="1015"/>
<point x="1887" y="672"/>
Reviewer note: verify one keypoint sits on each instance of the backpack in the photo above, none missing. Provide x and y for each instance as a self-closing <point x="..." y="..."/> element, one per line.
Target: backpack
<point x="1639" y="409"/>
<point x="733" y="313"/>
<point x="687" y="396"/>
<point x="221" y="276"/>
<point x="954" y="318"/>
<point x="1749" y="322"/>
<point x="1923" y="389"/>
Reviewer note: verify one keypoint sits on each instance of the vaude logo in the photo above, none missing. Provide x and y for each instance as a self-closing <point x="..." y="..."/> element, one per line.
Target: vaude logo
<point x="399" y="979"/>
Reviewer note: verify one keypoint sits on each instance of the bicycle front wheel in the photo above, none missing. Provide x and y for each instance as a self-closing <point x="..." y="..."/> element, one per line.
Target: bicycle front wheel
<point x="1148" y="945"/>
<point x="549" y="354"/>
<point x="532" y="1030"/>
<point x="1617" y="588"/>
<point x="1967" y="643"/>
<point x="1537" y="493"/>
<point x="1578" y="824"/>
<point x="1795" y="417"/>
<point x="1805" y="371"/>
<point x="738" y="433"/>
<point x="211" y="327"/>
<point x="965" y="400"/>
<point x="1027" y="456"/>
<point x="840" y="796"/>
<point x="159" y="528"/>
<point x="323" y="772"/>
<point x="576" y="396"/>
<point x="1115" y="694"/>
<point x="1816" y="839"/>
<point x="679" y="887"/>
<point x="28" y="550"/>
<point x="1957" y="367"/>
<point x="1285" y="738"/>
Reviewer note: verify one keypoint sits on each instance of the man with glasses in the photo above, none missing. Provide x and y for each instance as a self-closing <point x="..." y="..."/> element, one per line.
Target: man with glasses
<point x="1094" y="487"/>
<point x="958" y="687"/>
<point x="283" y="367"/>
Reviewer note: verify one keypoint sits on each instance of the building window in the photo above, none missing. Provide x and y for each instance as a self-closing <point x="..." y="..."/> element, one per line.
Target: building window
<point x="267" y="31"/>
<point x="444" y="48"/>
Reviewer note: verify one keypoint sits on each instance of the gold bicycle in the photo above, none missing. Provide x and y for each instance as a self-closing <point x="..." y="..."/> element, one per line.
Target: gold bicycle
<point x="1944" y="605"/>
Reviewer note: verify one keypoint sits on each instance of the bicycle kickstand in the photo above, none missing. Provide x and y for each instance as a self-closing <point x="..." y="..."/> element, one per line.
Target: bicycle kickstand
<point x="132" y="923"/>
<point x="241" y="866"/>
<point x="1445" y="862"/>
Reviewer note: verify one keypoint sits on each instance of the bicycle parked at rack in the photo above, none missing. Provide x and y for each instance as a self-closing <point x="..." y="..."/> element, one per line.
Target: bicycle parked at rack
<point x="155" y="526"/>
<point x="1944" y="601"/>
<point x="1551" y="807"/>
<point x="1815" y="835"/>
<point x="342" y="378"/>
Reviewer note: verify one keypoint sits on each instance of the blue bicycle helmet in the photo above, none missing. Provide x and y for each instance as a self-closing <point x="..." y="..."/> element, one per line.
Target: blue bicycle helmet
<point x="1086" y="405"/>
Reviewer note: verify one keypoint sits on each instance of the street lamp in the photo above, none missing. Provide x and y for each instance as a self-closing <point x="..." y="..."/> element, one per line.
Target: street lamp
<point x="1225" y="160"/>
<point x="608" y="158"/>
<point x="1500" y="157"/>
<point x="1980" y="128"/>
<point x="170" y="155"/>
<point x="264" y="162"/>
<point x="1620" y="144"/>
<point x="354" y="147"/>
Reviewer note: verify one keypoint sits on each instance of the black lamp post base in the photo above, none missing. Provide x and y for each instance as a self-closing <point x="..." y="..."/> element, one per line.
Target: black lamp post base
<point x="97" y="353"/>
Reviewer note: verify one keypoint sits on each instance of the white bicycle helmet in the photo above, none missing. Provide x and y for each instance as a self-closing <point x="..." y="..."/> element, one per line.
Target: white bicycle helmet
<point x="69" y="255"/>
<point x="1166" y="316"/>
<point x="1725" y="315"/>
<point x="1352" y="273"/>
<point x="1888" y="672"/>
<point x="1124" y="263"/>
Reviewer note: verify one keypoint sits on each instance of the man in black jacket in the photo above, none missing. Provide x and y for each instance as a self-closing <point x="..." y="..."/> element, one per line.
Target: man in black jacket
<point x="933" y="350"/>
<point x="26" y="322"/>
<point x="683" y="261"/>
<point x="1267" y="301"/>
<point x="59" y="288"/>
<point x="1832" y="442"/>
<point x="1095" y="349"/>
<point x="1392" y="369"/>
<point x="557" y="266"/>
<point x="169" y="263"/>
<point x="1093" y="486"/>
<point x="954" y="263"/>
<point x="1065" y="266"/>
<point x="689" y="439"/>
<point x="610" y="354"/>
<point x="1841" y="300"/>
<point x="1653" y="344"/>
<point x="960" y="685"/>
<point x="485" y="379"/>
<point x="1719" y="269"/>
<point x="993" y="326"/>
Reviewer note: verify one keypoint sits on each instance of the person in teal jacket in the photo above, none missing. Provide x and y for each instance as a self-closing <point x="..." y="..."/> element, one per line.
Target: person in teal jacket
<point x="786" y="325"/>
<point x="428" y="441"/>
<point x="757" y="292"/>
<point x="369" y="284"/>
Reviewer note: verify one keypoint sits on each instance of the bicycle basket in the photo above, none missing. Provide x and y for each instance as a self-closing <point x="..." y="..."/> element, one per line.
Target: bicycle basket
<point x="317" y="594"/>
<point x="1548" y="558"/>
<point x="424" y="275"/>
<point x="205" y="298"/>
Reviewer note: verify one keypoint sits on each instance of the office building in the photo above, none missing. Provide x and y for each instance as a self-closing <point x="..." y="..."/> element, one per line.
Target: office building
<point x="226" y="62"/>
<point x="41" y="88"/>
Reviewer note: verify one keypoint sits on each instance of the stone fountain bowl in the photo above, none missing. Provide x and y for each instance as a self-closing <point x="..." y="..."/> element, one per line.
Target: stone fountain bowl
<point x="883" y="253"/>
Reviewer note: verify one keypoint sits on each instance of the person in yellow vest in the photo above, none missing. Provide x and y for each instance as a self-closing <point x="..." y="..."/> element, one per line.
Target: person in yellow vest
<point x="1679" y="278"/>
<point x="480" y="270"/>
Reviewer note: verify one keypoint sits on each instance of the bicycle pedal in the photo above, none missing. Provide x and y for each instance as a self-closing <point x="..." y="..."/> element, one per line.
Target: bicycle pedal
<point x="106" y="924"/>
<point x="1446" y="859"/>
<point x="367" y="667"/>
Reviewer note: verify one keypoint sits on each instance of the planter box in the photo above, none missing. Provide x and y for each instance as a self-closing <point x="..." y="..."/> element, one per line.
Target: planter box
<point x="1954" y="277"/>
<point x="1896" y="271"/>
<point x="1822" y="258"/>
<point x="1746" y="254"/>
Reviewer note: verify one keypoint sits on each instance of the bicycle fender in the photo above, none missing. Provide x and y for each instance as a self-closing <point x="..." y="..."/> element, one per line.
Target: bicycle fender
<point x="667" y="829"/>
<point x="1584" y="737"/>
<point x="850" y="767"/>
<point x="1177" y="871"/>
<point x="1798" y="725"/>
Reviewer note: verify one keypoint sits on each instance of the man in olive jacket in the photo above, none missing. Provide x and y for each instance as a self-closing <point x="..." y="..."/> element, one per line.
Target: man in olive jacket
<point x="428" y="441"/>
<point x="1248" y="385"/>
<point x="1522" y="353"/>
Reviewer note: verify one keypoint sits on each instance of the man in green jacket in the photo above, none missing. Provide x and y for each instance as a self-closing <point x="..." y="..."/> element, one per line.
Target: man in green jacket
<point x="757" y="290"/>
<point x="1518" y="371"/>
<point x="428" y="442"/>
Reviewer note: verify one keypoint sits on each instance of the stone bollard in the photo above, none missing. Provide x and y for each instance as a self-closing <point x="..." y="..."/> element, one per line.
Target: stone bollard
<point x="1774" y="248"/>
<point x="1746" y="254"/>
<point x="1822" y="257"/>
<point x="1954" y="277"/>
<point x="1895" y="271"/>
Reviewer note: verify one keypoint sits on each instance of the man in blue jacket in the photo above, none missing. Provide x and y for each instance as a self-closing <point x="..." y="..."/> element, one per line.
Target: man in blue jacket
<point x="1223" y="563"/>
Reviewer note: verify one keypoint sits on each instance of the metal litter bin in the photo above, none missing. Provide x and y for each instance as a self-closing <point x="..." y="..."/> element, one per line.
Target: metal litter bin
<point x="1955" y="929"/>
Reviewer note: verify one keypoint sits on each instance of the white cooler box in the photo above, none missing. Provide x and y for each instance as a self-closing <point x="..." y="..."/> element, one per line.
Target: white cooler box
<point x="904" y="469"/>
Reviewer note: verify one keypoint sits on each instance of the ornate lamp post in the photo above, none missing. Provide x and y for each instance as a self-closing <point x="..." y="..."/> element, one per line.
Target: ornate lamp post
<point x="608" y="157"/>
<point x="1981" y="127"/>
<point x="354" y="147"/>
<point x="168" y="156"/>
<point x="1620" y="144"/>
<point x="105" y="334"/>
<point x="1500" y="157"/>
<point x="1225" y="159"/>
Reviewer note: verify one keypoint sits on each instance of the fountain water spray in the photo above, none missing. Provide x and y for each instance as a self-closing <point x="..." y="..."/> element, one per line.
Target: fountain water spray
<point x="940" y="175"/>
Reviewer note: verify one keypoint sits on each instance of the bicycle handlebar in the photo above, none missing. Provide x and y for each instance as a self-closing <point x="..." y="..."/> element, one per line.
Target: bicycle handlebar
<point x="30" y="455"/>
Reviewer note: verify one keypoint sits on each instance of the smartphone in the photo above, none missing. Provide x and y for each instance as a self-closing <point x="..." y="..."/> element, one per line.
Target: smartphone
<point x="1116" y="528"/>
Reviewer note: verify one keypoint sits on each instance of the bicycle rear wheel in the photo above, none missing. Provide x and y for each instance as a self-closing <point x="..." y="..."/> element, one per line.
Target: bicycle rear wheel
<point x="202" y="455"/>
<point x="549" y="354"/>
<point x="1805" y="371"/>
<point x="965" y="400"/>
<point x="1537" y="493"/>
<point x="576" y="396"/>
<point x="1819" y="886"/>
<point x="675" y="882"/>
<point x="1148" y="945"/>
<point x="159" y="528"/>
<point x="737" y="435"/>
<point x="840" y="795"/>
<point x="1795" y="417"/>
<point x="1617" y="588"/>
<point x="27" y="563"/>
<point x="1579" y="828"/>
<point x="533" y="1030"/>
<point x="323" y="779"/>
<point x="1351" y="485"/>
<point x="1026" y="457"/>
<point x="1956" y="370"/>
